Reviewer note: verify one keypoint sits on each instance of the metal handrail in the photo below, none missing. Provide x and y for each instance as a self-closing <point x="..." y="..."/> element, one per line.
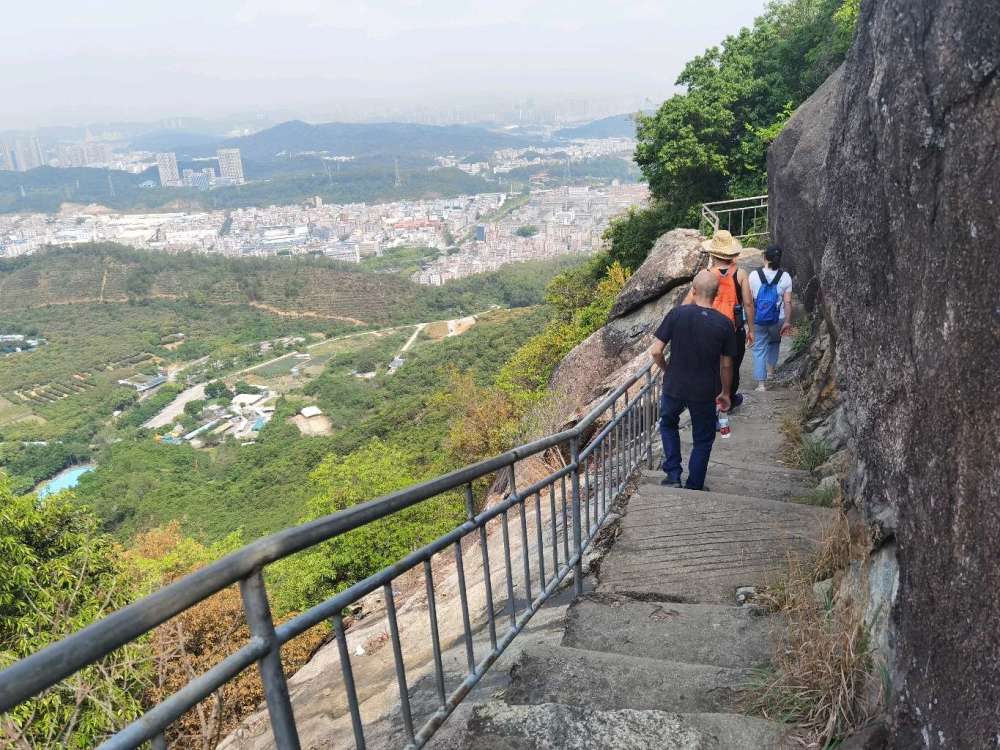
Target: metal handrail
<point x="597" y="473"/>
<point x="745" y="218"/>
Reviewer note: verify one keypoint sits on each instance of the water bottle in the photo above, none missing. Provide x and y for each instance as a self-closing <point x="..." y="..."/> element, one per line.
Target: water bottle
<point x="724" y="429"/>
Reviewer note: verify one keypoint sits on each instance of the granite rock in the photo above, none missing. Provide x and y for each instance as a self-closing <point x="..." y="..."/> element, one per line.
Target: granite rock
<point x="890" y="176"/>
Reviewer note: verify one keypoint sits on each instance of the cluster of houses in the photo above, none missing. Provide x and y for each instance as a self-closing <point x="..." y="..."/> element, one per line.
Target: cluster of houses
<point x="12" y="343"/>
<point x="242" y="420"/>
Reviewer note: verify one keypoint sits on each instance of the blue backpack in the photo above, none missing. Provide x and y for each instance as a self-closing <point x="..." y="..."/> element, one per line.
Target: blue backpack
<point x="767" y="306"/>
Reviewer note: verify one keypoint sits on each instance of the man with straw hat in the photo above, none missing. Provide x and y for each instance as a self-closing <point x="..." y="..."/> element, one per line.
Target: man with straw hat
<point x="734" y="299"/>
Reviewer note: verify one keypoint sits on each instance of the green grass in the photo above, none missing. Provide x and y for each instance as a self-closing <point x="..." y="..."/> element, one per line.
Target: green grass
<point x="802" y="339"/>
<point x="823" y="497"/>
<point x="813" y="452"/>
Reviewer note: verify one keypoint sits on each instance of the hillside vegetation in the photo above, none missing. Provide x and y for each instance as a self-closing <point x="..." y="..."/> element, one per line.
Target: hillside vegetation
<point x="110" y="313"/>
<point x="300" y="286"/>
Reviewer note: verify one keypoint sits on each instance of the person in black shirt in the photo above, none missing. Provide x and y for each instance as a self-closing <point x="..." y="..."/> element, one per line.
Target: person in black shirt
<point x="700" y="374"/>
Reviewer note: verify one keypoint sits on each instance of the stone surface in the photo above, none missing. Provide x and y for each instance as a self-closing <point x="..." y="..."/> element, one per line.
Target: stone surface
<point x="902" y="197"/>
<point x="731" y="478"/>
<point x="723" y="636"/>
<point x="797" y="163"/>
<point x="579" y="677"/>
<point x="874" y="585"/>
<point x="674" y="260"/>
<point x="691" y="546"/>
<point x="872" y="737"/>
<point x="498" y="726"/>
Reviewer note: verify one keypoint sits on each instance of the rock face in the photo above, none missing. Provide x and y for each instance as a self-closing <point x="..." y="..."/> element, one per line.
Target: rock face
<point x="797" y="162"/>
<point x="903" y="196"/>
<point x="674" y="260"/>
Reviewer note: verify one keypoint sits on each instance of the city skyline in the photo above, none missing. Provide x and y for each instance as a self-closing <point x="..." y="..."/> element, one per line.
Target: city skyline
<point x="439" y="60"/>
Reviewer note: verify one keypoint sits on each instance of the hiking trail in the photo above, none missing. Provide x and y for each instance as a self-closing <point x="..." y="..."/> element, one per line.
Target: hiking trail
<point x="657" y="652"/>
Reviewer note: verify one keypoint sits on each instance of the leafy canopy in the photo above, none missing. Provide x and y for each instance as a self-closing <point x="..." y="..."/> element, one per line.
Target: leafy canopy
<point x="710" y="142"/>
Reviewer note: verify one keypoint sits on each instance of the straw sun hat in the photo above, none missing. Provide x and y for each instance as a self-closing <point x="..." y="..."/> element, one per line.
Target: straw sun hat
<point x="722" y="245"/>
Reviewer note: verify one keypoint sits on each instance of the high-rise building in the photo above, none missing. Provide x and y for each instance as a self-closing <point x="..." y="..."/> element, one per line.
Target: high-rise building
<point x="167" y="165"/>
<point x="230" y="165"/>
<point x="6" y="157"/>
<point x="27" y="154"/>
<point x="71" y="155"/>
<point x="96" y="152"/>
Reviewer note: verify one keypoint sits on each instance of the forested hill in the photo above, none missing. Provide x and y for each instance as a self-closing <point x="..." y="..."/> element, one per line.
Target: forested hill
<point x="364" y="139"/>
<point x="616" y="126"/>
<point x="297" y="286"/>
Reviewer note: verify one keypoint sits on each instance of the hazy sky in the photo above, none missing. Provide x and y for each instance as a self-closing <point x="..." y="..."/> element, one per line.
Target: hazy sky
<point x="77" y="61"/>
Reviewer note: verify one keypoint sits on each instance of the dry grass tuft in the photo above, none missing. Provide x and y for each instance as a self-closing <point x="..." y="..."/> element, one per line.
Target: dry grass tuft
<point x="802" y="450"/>
<point x="824" y="677"/>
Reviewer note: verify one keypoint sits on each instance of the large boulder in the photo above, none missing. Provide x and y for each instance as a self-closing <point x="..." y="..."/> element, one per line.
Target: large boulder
<point x="651" y="292"/>
<point x="796" y="170"/>
<point x="674" y="260"/>
<point x="908" y="220"/>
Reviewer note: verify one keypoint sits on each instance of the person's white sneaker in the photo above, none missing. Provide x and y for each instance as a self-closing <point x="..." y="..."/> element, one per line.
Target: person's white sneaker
<point x="761" y="387"/>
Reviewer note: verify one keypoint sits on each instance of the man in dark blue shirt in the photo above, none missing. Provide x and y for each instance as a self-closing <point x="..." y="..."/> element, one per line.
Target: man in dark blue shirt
<point x="700" y="374"/>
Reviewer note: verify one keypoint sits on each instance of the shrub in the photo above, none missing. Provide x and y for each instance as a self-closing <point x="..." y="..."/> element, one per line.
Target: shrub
<point x="200" y="637"/>
<point x="803" y="337"/>
<point x="341" y="482"/>
<point x="59" y="575"/>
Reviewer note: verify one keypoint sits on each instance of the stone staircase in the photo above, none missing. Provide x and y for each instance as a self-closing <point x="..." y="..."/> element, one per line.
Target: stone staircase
<point x="657" y="653"/>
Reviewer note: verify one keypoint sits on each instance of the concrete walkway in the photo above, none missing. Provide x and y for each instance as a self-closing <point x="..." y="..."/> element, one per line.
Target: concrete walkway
<point x="658" y="653"/>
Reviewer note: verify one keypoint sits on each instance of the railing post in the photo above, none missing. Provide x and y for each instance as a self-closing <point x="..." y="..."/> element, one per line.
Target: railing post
<point x="574" y="452"/>
<point x="279" y="705"/>
<point x="650" y="421"/>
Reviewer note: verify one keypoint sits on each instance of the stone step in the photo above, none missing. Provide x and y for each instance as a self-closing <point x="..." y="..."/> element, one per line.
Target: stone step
<point x="690" y="546"/>
<point x="579" y="677"/>
<point x="764" y="483"/>
<point x="705" y="634"/>
<point x="550" y="726"/>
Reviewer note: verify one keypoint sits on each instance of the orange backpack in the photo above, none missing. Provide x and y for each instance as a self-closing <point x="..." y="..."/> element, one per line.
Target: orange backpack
<point x="729" y="295"/>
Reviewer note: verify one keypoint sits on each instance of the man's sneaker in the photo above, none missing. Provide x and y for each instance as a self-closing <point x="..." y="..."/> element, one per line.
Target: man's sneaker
<point x="668" y="482"/>
<point x="761" y="387"/>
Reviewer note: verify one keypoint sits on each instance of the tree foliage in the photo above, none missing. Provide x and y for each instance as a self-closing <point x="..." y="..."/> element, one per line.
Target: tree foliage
<point x="710" y="142"/>
<point x="340" y="482"/>
<point x="59" y="575"/>
<point x="199" y="638"/>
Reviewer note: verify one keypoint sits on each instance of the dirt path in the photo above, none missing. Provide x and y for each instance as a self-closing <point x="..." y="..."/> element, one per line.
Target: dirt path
<point x="174" y="409"/>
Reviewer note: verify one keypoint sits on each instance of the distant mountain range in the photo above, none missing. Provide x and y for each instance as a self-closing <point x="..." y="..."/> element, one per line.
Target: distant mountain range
<point x="361" y="139"/>
<point x="616" y="126"/>
<point x="378" y="139"/>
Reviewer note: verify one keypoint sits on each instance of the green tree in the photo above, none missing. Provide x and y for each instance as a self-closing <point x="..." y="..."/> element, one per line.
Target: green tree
<point x="59" y="575"/>
<point x="341" y="482"/>
<point x="195" y="407"/>
<point x="217" y="389"/>
<point x="710" y="142"/>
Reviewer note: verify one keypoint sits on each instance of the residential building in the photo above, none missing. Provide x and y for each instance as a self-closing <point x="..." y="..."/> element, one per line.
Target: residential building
<point x="6" y="158"/>
<point x="167" y="165"/>
<point x="71" y="155"/>
<point x="97" y="153"/>
<point x="230" y="165"/>
<point x="27" y="154"/>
